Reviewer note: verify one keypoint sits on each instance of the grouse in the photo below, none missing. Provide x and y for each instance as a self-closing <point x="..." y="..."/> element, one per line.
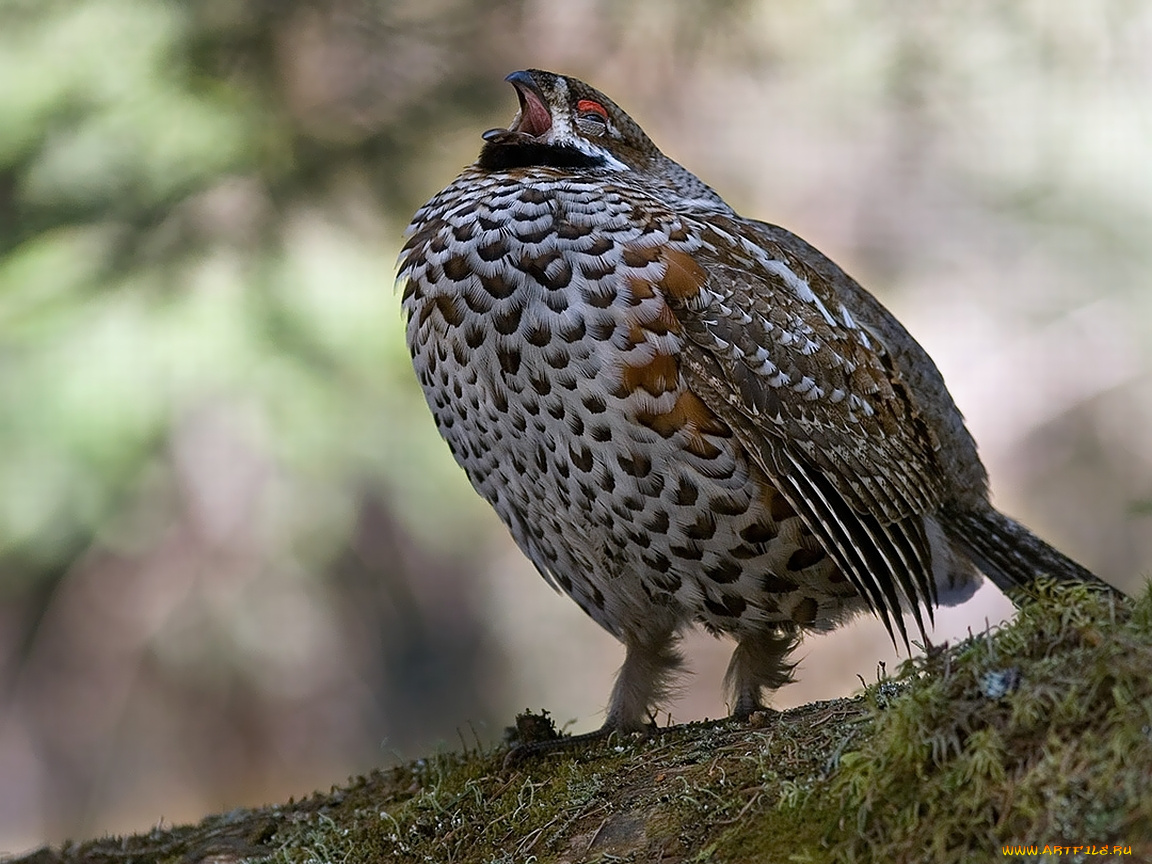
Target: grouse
<point x="685" y="416"/>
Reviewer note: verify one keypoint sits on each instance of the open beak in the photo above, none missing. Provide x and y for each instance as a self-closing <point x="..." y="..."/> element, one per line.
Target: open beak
<point x="534" y="118"/>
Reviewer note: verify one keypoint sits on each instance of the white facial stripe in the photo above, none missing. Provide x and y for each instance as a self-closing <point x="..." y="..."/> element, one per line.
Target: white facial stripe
<point x="561" y="125"/>
<point x="610" y="161"/>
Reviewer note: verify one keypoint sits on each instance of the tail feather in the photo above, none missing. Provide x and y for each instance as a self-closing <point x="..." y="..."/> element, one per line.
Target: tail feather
<point x="1007" y="552"/>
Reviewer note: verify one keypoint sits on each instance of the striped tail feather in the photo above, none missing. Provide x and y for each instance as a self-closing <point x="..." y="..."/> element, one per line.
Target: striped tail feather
<point x="1007" y="552"/>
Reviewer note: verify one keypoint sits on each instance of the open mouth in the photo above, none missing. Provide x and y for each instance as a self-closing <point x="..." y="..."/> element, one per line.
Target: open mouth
<point x="534" y="119"/>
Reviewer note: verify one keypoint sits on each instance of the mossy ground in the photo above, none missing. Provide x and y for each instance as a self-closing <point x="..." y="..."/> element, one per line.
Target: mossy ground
<point x="1036" y="734"/>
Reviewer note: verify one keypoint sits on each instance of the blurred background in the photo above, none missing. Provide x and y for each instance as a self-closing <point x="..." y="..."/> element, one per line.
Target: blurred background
<point x="236" y="561"/>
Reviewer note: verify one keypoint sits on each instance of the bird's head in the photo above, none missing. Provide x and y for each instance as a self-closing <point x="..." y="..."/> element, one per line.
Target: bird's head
<point x="564" y="123"/>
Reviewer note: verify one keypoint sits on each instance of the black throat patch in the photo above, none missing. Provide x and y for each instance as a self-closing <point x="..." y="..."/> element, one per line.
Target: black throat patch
<point x="501" y="155"/>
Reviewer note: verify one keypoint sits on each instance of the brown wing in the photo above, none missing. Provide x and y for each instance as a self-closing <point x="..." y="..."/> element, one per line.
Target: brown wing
<point x="817" y="401"/>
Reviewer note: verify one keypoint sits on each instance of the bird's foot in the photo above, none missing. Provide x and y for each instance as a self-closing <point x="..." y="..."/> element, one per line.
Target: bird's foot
<point x="536" y="735"/>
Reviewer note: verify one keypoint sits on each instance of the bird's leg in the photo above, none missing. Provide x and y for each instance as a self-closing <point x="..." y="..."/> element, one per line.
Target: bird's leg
<point x="643" y="681"/>
<point x="758" y="662"/>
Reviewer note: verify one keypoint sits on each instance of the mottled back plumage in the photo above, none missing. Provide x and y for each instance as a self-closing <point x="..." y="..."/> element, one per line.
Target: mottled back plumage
<point x="684" y="416"/>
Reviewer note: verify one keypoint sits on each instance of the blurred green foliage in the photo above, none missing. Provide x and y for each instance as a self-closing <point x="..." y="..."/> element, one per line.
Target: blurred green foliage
<point x="171" y="231"/>
<point x="207" y="411"/>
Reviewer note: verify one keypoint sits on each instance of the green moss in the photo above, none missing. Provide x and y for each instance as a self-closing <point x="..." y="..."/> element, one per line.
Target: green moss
<point x="1037" y="733"/>
<point x="951" y="773"/>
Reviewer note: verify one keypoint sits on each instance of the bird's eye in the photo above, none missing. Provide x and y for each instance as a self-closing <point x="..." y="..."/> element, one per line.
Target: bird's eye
<point x="586" y="109"/>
